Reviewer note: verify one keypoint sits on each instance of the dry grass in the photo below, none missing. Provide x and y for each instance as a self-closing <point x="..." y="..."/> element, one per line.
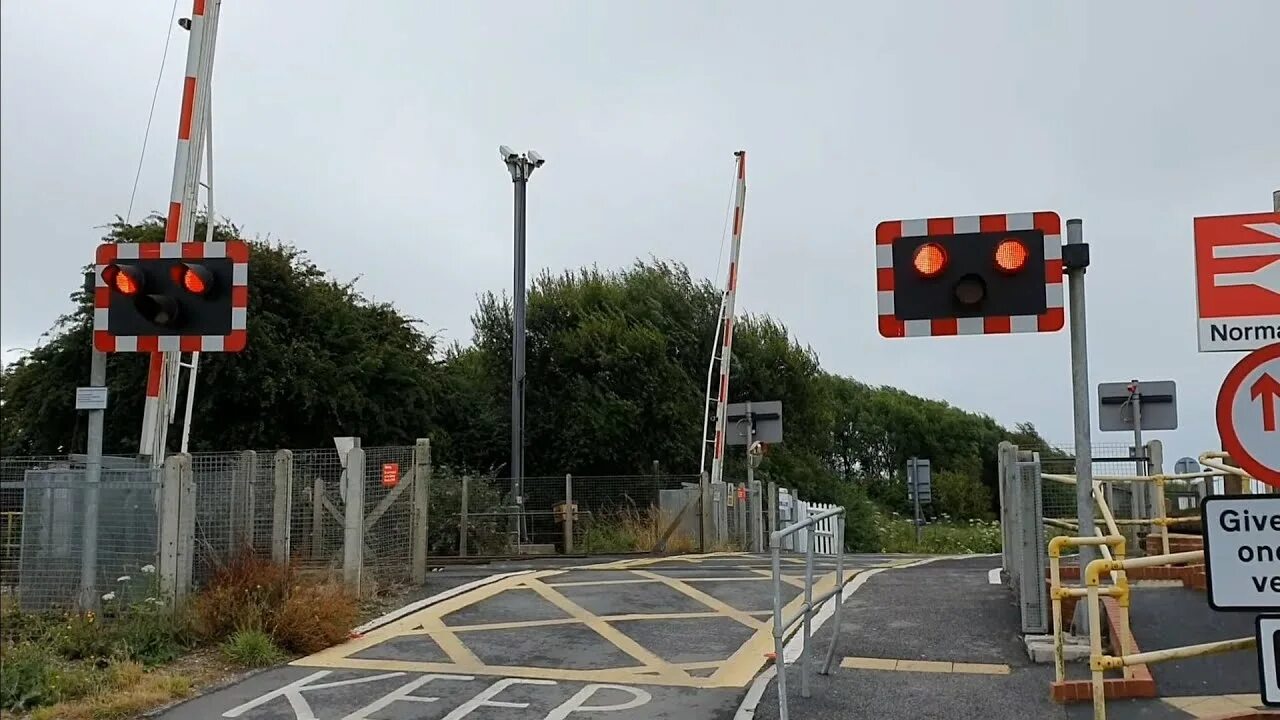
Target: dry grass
<point x="314" y="617"/>
<point x="631" y="529"/>
<point x="130" y="691"/>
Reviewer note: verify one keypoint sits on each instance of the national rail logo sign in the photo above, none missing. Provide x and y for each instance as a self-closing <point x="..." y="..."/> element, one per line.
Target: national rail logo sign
<point x="1238" y="281"/>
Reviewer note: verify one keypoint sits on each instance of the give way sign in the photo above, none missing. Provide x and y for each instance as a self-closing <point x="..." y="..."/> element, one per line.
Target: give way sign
<point x="1238" y="281"/>
<point x="1249" y="414"/>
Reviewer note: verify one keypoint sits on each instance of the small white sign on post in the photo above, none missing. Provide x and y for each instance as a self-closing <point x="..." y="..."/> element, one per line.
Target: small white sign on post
<point x="1242" y="551"/>
<point x="91" y="398"/>
<point x="1269" y="658"/>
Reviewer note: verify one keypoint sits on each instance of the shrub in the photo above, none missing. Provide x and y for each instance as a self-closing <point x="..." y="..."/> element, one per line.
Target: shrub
<point x="898" y="535"/>
<point x="245" y="593"/>
<point x="314" y="616"/>
<point x="251" y="648"/>
<point x="29" y="677"/>
<point x="962" y="496"/>
<point x="81" y="637"/>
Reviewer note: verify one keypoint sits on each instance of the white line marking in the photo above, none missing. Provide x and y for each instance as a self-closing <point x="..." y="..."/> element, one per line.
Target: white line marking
<point x="993" y="576"/>
<point x="437" y="598"/>
<point x="791" y="651"/>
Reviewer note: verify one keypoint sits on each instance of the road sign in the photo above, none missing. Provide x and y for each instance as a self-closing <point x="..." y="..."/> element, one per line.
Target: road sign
<point x="1268" y="627"/>
<point x="1157" y="400"/>
<point x="1238" y="281"/>
<point x="1249" y="414"/>
<point x="764" y="417"/>
<point x="91" y="398"/>
<point x="919" y="476"/>
<point x="973" y="275"/>
<point x="1186" y="466"/>
<point x="171" y="297"/>
<point x="1241" y="541"/>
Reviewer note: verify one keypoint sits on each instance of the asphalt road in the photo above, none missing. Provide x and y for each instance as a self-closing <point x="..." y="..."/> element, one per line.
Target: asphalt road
<point x="653" y="639"/>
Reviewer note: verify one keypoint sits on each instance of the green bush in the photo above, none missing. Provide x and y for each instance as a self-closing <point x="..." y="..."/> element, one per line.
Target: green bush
<point x="29" y="677"/>
<point x="961" y="496"/>
<point x="860" y="531"/>
<point x="152" y="634"/>
<point x="251" y="648"/>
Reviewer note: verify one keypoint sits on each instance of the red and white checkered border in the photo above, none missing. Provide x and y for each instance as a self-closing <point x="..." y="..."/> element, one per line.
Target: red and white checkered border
<point x="235" y="250"/>
<point x="1054" y="317"/>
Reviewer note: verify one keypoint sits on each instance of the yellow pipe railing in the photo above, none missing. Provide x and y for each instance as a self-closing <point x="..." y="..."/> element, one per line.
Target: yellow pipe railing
<point x="1057" y="592"/>
<point x="1100" y="662"/>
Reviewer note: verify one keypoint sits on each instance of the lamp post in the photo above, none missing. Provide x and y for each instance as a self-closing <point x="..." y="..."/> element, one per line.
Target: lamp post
<point x="521" y="167"/>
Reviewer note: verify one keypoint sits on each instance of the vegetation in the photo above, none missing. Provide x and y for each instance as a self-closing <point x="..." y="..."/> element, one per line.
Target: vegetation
<point x="134" y="656"/>
<point x="616" y="365"/>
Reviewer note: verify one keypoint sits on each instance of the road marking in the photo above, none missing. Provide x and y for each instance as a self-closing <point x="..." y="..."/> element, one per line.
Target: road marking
<point x="931" y="666"/>
<point x="429" y="601"/>
<point x="993" y="576"/>
<point x="722" y="607"/>
<point x="791" y="651"/>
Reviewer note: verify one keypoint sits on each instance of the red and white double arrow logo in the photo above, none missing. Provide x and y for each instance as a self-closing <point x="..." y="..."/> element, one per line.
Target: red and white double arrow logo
<point x="1266" y="277"/>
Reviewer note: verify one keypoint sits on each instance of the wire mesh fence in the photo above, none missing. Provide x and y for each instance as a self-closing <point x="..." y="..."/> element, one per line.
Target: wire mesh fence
<point x="388" y="513"/>
<point x="60" y="512"/>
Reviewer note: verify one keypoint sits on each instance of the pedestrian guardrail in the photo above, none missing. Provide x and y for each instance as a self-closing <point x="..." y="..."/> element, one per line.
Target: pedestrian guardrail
<point x="812" y="528"/>
<point x="1114" y="562"/>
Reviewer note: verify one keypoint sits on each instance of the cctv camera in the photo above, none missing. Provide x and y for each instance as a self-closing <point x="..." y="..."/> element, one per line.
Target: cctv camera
<point x="535" y="158"/>
<point x="507" y="153"/>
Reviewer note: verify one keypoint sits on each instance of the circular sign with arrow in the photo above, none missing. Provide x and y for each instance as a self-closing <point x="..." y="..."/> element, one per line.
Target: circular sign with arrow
<point x="1249" y="414"/>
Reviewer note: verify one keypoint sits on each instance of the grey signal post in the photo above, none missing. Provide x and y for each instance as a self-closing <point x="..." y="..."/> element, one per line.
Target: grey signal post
<point x="1075" y="260"/>
<point x="750" y="423"/>
<point x="521" y="167"/>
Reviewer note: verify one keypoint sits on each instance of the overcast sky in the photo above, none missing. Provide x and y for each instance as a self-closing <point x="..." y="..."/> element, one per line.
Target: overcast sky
<point x="367" y="133"/>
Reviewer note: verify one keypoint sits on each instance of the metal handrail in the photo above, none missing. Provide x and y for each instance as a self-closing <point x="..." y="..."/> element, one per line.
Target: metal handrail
<point x="805" y="613"/>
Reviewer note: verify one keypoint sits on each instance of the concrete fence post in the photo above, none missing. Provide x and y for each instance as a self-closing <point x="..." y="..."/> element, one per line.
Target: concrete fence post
<point x="317" y="518"/>
<point x="705" y="526"/>
<point x="421" y="507"/>
<point x="241" y="520"/>
<point x="569" y="513"/>
<point x="462" y="517"/>
<point x="177" y="527"/>
<point x="281" y="506"/>
<point x="755" y="522"/>
<point x="353" y="520"/>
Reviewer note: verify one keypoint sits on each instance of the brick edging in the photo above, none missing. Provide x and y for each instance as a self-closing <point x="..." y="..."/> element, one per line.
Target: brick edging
<point x="1140" y="685"/>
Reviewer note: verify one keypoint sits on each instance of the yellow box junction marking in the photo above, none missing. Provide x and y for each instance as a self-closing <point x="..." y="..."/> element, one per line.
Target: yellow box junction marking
<point x="735" y="671"/>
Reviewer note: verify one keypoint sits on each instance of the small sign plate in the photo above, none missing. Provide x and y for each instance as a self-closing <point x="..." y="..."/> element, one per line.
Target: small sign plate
<point x="91" y="398"/>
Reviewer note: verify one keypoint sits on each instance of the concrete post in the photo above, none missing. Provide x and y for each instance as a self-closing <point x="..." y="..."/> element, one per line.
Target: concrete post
<point x="353" y="520"/>
<point x="772" y="504"/>
<point x="462" y="518"/>
<point x="317" y="518"/>
<point x="188" y="501"/>
<point x="421" y="507"/>
<point x="241" y="519"/>
<point x="705" y="539"/>
<point x="755" y="523"/>
<point x="177" y="527"/>
<point x="281" y="506"/>
<point x="569" y="513"/>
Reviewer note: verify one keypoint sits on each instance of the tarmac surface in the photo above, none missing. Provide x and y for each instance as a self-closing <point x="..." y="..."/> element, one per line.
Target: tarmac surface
<point x="652" y="638"/>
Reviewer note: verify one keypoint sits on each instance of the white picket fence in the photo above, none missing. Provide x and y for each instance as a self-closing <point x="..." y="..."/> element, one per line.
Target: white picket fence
<point x="824" y="540"/>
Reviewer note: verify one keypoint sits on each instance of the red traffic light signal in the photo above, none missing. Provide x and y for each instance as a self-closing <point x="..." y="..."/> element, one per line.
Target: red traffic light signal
<point x="195" y="279"/>
<point x="124" y="279"/>
<point x="170" y="297"/>
<point x="1011" y="255"/>
<point x="930" y="260"/>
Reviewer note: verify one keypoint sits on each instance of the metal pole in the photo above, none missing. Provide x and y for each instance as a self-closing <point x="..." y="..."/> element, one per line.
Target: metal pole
<point x="1139" y="456"/>
<point x="839" y="596"/>
<point x="810" y="535"/>
<point x="772" y="506"/>
<point x="1275" y="201"/>
<point x="1081" y="409"/>
<point x="521" y="182"/>
<point x="92" y="474"/>
<point x="779" y="654"/>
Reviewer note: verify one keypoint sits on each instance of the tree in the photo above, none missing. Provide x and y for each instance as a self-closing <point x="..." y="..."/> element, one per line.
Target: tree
<point x="322" y="361"/>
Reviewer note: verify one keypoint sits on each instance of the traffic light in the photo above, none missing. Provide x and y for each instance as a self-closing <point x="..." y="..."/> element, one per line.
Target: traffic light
<point x="970" y="275"/>
<point x="170" y="297"/>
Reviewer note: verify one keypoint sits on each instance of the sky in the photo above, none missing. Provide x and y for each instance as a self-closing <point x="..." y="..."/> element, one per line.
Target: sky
<point x="367" y="133"/>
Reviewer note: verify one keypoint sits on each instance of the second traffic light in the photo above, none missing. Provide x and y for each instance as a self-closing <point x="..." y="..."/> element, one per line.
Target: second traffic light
<point x="164" y="296"/>
<point x="970" y="275"/>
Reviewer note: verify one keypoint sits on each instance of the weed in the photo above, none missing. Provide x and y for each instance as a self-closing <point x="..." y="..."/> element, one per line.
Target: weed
<point x="152" y="634"/>
<point x="244" y="593"/>
<point x="251" y="648"/>
<point x="897" y="535"/>
<point x="630" y="529"/>
<point x="315" y="616"/>
<point x="29" y="678"/>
